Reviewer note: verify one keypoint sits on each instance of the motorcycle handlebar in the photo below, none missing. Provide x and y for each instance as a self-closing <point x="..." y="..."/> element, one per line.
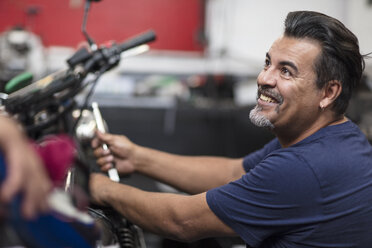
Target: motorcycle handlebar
<point x="137" y="40"/>
<point x="104" y="59"/>
<point x="109" y="57"/>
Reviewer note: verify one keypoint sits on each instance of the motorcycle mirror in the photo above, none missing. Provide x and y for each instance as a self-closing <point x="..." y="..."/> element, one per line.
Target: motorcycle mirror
<point x="92" y="44"/>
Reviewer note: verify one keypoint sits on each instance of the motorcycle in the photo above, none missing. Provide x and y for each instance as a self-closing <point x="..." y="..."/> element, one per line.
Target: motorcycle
<point x="48" y="108"/>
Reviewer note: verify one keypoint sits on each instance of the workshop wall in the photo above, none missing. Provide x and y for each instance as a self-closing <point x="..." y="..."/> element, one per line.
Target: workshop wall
<point x="244" y="30"/>
<point x="249" y="27"/>
<point x="178" y="24"/>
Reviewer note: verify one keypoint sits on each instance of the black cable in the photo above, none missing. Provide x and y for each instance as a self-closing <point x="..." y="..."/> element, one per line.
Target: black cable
<point x="101" y="215"/>
<point x="89" y="95"/>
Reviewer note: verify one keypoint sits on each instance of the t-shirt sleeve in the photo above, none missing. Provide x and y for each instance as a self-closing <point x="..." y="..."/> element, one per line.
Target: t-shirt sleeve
<point x="281" y="192"/>
<point x="252" y="159"/>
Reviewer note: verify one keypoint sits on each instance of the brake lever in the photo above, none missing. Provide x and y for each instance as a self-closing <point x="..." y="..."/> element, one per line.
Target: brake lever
<point x="112" y="173"/>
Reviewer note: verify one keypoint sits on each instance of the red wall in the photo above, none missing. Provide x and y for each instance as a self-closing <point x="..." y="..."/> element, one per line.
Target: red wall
<point x="58" y="22"/>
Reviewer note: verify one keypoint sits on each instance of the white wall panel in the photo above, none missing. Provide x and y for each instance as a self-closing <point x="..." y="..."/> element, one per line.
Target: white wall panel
<point x="360" y="22"/>
<point x="245" y="29"/>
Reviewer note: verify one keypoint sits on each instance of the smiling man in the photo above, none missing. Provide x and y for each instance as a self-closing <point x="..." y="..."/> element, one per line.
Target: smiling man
<point x="288" y="93"/>
<point x="309" y="187"/>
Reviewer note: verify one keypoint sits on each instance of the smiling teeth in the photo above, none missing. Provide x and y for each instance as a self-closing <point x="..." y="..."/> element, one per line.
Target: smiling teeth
<point x="266" y="98"/>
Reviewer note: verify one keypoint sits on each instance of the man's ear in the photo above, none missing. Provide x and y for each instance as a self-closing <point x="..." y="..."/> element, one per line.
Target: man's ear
<point x="330" y="93"/>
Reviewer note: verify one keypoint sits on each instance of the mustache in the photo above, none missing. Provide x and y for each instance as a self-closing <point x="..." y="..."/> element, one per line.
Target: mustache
<point x="269" y="92"/>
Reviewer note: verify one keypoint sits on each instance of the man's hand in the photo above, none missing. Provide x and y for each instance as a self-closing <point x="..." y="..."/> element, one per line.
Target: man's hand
<point x="121" y="152"/>
<point x="98" y="184"/>
<point x="25" y="171"/>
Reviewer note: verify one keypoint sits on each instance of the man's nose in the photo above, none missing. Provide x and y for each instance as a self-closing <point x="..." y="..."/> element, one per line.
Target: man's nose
<point x="267" y="77"/>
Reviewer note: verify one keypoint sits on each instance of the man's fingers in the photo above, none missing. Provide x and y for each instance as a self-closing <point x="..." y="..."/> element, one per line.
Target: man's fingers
<point x="28" y="206"/>
<point x="104" y="137"/>
<point x="100" y="139"/>
<point x="99" y="152"/>
<point x="102" y="161"/>
<point x="95" y="143"/>
<point x="35" y="196"/>
<point x="106" y="167"/>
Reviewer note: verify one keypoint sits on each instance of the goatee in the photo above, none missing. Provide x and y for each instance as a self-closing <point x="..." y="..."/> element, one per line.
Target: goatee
<point x="259" y="119"/>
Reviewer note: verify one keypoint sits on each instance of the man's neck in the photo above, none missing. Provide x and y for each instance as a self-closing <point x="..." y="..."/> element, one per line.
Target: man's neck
<point x="290" y="136"/>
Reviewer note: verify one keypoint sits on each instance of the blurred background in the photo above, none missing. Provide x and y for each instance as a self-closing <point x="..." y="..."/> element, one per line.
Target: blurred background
<point x="192" y="92"/>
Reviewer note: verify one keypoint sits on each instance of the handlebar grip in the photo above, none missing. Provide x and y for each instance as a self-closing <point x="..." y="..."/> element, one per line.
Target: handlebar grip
<point x="137" y="40"/>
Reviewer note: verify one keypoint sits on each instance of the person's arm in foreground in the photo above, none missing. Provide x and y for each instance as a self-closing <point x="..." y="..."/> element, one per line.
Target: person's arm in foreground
<point x="25" y="171"/>
<point x="191" y="174"/>
<point x="180" y="217"/>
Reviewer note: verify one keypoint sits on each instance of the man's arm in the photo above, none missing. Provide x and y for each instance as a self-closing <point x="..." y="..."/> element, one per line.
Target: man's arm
<point x="191" y="174"/>
<point x="179" y="217"/>
<point x="25" y="170"/>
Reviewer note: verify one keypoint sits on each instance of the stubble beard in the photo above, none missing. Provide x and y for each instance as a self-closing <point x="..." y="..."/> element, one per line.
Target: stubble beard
<point x="259" y="119"/>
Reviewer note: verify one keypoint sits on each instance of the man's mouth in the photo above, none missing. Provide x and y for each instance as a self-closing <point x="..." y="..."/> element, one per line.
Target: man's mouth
<point x="267" y="99"/>
<point x="269" y="96"/>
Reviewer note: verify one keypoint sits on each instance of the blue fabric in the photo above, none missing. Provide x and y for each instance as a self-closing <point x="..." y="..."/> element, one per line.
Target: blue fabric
<point x="50" y="229"/>
<point x="2" y="168"/>
<point x="316" y="193"/>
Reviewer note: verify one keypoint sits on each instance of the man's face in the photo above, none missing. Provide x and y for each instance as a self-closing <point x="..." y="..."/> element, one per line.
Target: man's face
<point x="287" y="92"/>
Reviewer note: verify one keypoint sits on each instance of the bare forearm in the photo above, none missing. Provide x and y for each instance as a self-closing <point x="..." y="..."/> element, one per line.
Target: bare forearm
<point x="174" y="216"/>
<point x="142" y="208"/>
<point x="188" y="173"/>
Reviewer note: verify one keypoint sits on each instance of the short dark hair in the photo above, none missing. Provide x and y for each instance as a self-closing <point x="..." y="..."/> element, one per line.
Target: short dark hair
<point x="340" y="58"/>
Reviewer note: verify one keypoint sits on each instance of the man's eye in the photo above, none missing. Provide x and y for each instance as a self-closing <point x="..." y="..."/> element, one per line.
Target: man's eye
<point x="267" y="63"/>
<point x="286" y="72"/>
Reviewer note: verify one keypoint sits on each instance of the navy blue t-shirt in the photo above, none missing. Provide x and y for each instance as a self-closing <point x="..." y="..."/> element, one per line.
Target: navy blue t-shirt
<point x="316" y="193"/>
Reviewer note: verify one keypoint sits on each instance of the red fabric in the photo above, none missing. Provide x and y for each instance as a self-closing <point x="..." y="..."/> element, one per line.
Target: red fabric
<point x="57" y="153"/>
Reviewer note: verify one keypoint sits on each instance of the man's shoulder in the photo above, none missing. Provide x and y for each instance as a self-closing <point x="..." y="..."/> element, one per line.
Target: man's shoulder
<point x="332" y="143"/>
<point x="335" y="155"/>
